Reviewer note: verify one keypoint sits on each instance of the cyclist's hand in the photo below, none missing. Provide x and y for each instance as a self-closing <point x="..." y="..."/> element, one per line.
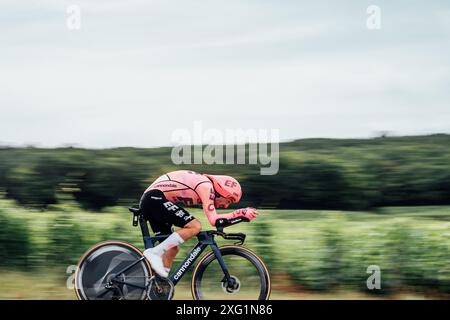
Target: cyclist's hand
<point x="249" y="213"/>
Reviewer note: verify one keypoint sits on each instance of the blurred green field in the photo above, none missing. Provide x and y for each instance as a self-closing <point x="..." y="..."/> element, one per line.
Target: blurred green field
<point x="46" y="286"/>
<point x="310" y="254"/>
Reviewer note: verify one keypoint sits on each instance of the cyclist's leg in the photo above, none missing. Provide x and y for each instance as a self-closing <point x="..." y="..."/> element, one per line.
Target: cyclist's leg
<point x="189" y="227"/>
<point x="189" y="230"/>
<point x="169" y="256"/>
<point x="162" y="214"/>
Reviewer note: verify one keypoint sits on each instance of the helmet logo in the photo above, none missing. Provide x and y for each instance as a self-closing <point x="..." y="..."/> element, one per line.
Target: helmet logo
<point x="230" y="183"/>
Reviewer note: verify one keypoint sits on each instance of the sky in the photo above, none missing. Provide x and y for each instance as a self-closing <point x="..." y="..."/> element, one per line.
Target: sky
<point x="136" y="71"/>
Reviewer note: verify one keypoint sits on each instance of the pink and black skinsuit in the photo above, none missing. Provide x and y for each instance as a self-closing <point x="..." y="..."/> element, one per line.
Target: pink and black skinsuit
<point x="159" y="202"/>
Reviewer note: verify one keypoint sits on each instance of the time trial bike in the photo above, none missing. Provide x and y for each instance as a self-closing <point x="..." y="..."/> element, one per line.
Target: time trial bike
<point x="116" y="270"/>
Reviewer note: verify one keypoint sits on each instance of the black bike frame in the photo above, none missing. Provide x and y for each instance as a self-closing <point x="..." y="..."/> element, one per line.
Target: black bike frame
<point x="205" y="239"/>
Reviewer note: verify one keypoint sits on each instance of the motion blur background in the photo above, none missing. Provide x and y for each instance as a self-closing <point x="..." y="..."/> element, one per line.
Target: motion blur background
<point x="87" y="116"/>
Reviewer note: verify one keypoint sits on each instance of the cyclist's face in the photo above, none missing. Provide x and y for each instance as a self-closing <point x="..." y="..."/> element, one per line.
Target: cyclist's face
<point x="222" y="203"/>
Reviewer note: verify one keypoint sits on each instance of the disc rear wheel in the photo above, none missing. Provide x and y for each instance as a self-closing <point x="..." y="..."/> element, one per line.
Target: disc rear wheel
<point x="103" y="273"/>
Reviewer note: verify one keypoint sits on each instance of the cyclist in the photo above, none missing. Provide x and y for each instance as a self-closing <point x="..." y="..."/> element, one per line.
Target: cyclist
<point x="160" y="206"/>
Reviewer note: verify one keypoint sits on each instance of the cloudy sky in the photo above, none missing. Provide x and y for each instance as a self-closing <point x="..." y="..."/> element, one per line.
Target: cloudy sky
<point x="137" y="70"/>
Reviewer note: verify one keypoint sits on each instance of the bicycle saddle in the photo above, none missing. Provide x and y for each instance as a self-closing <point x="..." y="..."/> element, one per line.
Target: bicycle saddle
<point x="135" y="210"/>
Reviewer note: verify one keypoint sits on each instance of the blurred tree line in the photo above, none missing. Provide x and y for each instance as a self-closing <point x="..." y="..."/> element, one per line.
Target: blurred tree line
<point x="313" y="174"/>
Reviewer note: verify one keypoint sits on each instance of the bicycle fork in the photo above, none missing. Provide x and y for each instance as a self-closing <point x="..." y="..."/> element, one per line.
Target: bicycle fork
<point x="227" y="276"/>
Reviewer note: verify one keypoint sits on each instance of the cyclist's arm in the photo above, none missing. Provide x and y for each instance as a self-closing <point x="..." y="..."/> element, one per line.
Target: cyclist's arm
<point x="207" y="195"/>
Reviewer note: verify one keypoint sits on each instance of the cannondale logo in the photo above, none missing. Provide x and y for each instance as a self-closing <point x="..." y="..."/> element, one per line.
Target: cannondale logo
<point x="188" y="262"/>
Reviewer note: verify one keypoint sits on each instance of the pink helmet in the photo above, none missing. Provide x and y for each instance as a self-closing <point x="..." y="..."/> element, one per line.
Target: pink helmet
<point x="226" y="186"/>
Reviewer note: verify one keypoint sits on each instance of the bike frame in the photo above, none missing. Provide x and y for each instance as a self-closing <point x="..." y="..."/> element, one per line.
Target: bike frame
<point x="205" y="239"/>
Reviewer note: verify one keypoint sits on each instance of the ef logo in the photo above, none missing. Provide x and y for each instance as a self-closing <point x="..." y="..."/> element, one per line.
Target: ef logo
<point x="374" y="280"/>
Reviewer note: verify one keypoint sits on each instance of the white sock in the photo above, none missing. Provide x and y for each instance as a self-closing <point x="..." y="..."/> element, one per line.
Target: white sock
<point x="172" y="241"/>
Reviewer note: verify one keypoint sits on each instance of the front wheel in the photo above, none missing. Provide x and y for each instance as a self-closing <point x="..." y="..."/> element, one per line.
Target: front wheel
<point x="112" y="270"/>
<point x="250" y="278"/>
